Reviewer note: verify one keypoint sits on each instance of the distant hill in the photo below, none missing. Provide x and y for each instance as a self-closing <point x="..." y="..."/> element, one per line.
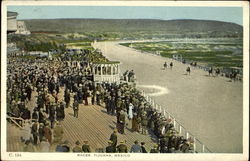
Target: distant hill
<point x="128" y="25"/>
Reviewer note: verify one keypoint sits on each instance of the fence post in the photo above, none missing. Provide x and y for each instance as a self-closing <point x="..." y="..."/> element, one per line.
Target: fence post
<point x="174" y="122"/>
<point x="203" y="148"/>
<point x="180" y="130"/>
<point x="187" y="135"/>
<point x="194" y="144"/>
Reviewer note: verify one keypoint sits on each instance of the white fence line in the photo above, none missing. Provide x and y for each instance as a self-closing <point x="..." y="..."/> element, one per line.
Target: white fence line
<point x="198" y="146"/>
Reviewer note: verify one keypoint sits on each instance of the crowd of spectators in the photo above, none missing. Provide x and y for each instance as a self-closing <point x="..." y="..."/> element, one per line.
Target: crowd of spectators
<point x="41" y="123"/>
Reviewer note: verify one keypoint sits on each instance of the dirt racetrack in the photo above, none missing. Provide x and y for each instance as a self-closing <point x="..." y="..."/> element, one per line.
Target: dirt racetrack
<point x="211" y="108"/>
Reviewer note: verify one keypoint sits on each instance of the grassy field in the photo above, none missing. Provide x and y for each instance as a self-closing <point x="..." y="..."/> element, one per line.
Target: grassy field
<point x="226" y="53"/>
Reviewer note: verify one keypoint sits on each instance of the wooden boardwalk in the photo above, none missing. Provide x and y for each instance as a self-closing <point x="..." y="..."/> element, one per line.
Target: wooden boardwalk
<point x="93" y="124"/>
<point x="96" y="126"/>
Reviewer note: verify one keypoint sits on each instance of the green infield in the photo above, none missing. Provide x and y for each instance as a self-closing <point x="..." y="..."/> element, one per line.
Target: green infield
<point x="218" y="53"/>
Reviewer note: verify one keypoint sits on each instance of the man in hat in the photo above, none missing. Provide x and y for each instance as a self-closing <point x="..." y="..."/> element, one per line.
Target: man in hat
<point x="65" y="146"/>
<point x="113" y="138"/>
<point x="52" y="114"/>
<point x="163" y="143"/>
<point x="76" y="108"/>
<point x="110" y="148"/>
<point x="112" y="105"/>
<point x="122" y="148"/>
<point x="144" y="122"/>
<point x="154" y="149"/>
<point x="136" y="148"/>
<point x="77" y="148"/>
<point x="185" y="146"/>
<point x="48" y="133"/>
<point x="86" y="147"/>
<point x="135" y="124"/>
<point x="35" y="114"/>
<point x="34" y="131"/>
<point x="60" y="114"/>
<point x="67" y="97"/>
<point x="59" y="147"/>
<point x="41" y="131"/>
<point x="121" y="122"/>
<point x="143" y="147"/>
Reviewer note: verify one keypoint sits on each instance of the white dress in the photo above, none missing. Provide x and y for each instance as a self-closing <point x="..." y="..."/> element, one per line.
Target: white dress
<point x="130" y="111"/>
<point x="26" y="131"/>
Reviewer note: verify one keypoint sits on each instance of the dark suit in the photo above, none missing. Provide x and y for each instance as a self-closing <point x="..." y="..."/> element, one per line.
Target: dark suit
<point x="113" y="138"/>
<point x="86" y="148"/>
<point x="110" y="149"/>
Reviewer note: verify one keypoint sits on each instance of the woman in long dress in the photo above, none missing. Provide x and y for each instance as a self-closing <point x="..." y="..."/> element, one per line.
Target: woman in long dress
<point x="26" y="131"/>
<point x="130" y="111"/>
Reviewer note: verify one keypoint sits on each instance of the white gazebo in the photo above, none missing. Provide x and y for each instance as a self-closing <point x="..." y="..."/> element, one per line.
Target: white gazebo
<point x="106" y="72"/>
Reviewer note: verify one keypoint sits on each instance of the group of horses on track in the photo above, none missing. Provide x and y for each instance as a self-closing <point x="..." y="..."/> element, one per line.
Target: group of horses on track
<point x="233" y="75"/>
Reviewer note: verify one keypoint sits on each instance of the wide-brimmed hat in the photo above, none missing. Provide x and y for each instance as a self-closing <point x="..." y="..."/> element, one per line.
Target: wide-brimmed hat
<point x="77" y="142"/>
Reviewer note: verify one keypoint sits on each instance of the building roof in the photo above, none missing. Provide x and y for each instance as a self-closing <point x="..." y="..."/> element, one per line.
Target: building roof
<point x="9" y="14"/>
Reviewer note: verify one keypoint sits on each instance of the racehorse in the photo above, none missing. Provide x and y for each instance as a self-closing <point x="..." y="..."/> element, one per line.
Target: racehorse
<point x="210" y="71"/>
<point x="233" y="75"/>
<point x="217" y="71"/>
<point x="188" y="70"/>
<point x="165" y="65"/>
<point x="171" y="65"/>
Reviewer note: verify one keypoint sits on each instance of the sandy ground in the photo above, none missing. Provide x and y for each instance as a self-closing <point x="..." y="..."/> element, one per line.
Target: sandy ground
<point x="210" y="108"/>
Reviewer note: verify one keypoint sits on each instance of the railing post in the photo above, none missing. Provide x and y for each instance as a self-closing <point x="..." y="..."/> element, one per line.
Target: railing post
<point x="164" y="112"/>
<point x="203" y="148"/>
<point x="187" y="135"/>
<point x="174" y="123"/>
<point x="194" y="144"/>
<point x="180" y="130"/>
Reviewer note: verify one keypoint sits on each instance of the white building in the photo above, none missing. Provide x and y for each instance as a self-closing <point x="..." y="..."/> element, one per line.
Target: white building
<point x="11" y="22"/>
<point x="21" y="28"/>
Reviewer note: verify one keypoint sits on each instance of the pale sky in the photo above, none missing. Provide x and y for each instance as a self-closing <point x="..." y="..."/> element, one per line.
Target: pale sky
<point x="227" y="14"/>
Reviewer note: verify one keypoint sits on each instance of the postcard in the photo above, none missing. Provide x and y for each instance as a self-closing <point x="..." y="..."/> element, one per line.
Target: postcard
<point x="127" y="80"/>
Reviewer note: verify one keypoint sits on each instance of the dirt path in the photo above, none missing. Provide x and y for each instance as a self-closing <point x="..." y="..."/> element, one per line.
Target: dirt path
<point x="210" y="108"/>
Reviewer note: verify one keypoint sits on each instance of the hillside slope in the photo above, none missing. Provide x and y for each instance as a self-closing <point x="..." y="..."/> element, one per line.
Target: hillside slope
<point x="127" y="25"/>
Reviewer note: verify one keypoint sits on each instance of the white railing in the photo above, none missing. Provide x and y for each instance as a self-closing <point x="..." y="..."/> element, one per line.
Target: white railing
<point x="18" y="121"/>
<point x="198" y="146"/>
